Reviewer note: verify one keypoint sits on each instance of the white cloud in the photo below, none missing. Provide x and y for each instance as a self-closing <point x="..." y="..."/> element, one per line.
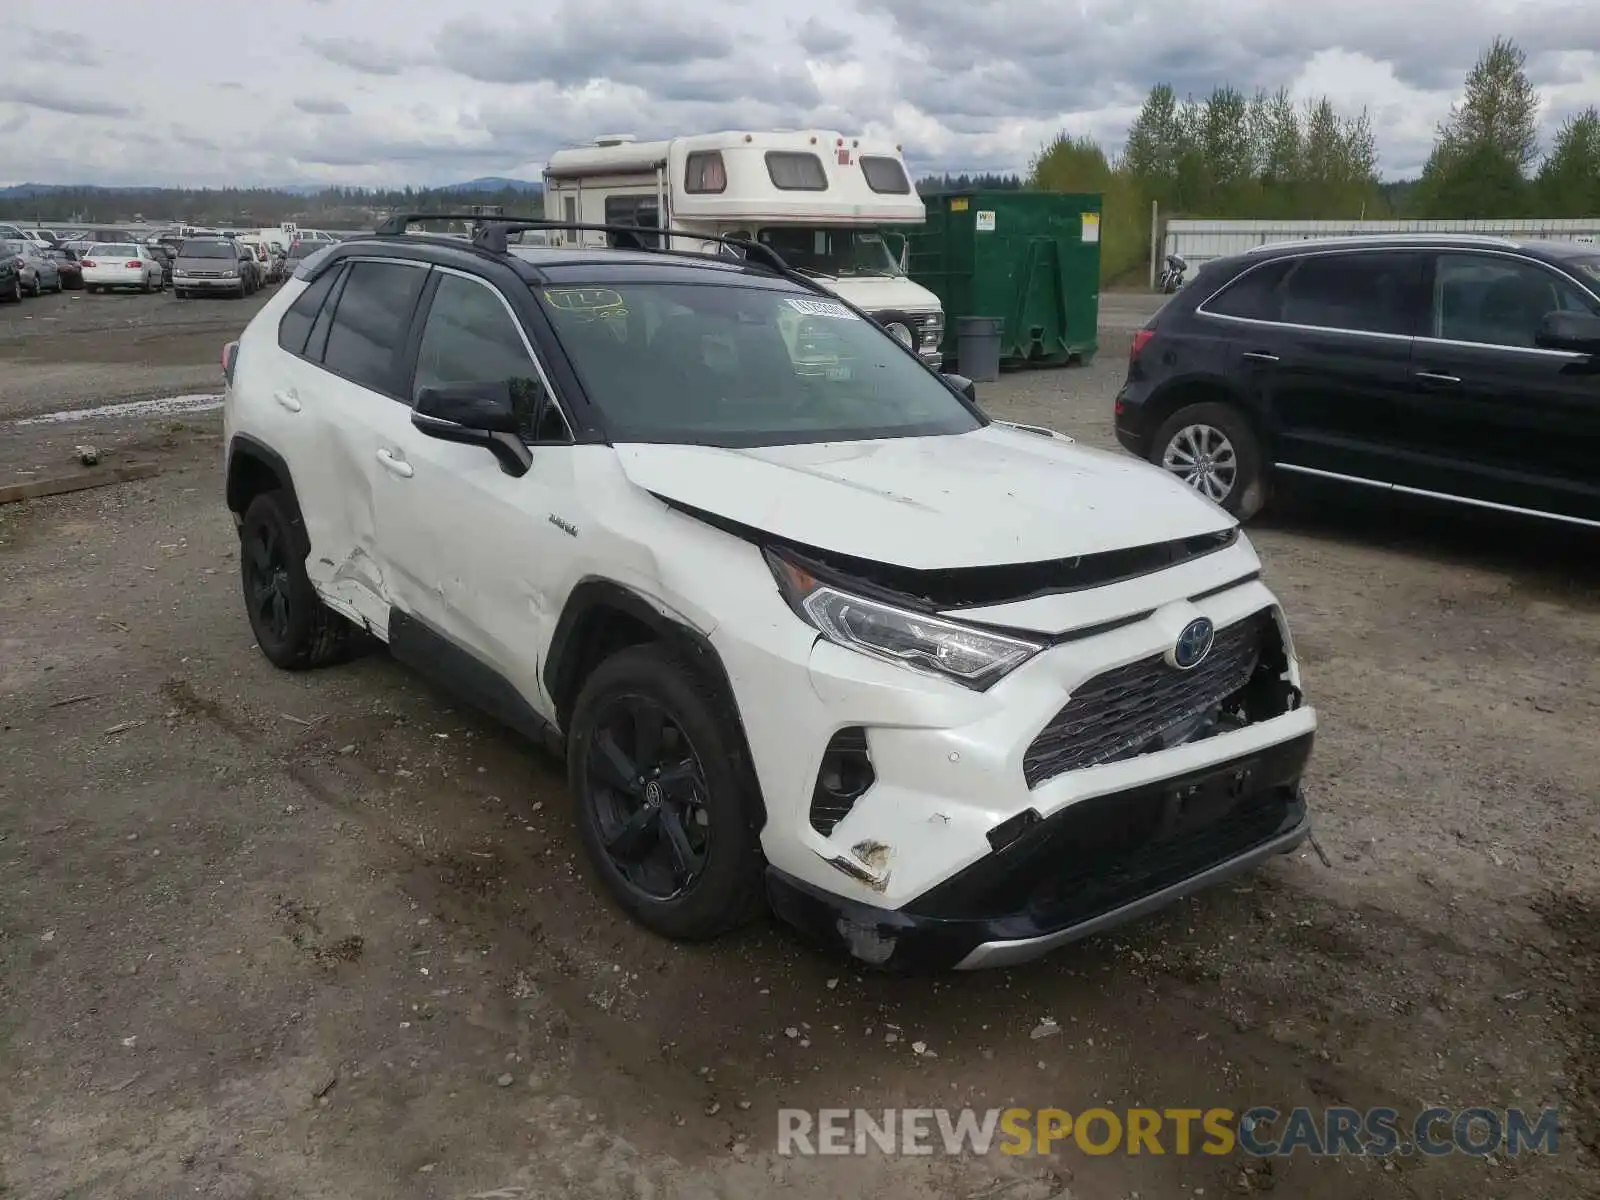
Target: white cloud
<point x="372" y="92"/>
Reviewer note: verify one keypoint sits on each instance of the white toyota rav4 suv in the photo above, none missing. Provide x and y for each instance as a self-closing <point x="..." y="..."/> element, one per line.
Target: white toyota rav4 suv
<point x="942" y="690"/>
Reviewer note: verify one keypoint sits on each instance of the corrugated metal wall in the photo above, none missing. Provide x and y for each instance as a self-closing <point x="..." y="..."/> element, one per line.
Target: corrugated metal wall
<point x="1199" y="241"/>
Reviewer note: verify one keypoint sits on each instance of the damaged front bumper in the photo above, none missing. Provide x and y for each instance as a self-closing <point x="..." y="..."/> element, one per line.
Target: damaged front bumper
<point x="1087" y="868"/>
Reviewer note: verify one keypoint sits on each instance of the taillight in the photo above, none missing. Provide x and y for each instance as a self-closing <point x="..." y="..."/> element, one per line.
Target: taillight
<point x="134" y="263"/>
<point x="1141" y="339"/>
<point x="88" y="262"/>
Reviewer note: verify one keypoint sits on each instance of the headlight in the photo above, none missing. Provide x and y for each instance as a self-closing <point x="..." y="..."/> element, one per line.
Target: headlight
<point x="973" y="657"/>
<point x="179" y="271"/>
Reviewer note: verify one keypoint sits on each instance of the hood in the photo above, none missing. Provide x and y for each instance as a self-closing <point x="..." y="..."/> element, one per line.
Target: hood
<point x="994" y="496"/>
<point x="876" y="294"/>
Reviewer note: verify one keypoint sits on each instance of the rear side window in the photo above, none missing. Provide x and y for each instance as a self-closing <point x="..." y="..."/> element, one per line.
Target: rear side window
<point x="370" y="322"/>
<point x="885" y="175"/>
<point x="1369" y="292"/>
<point x="296" y="323"/>
<point x="1256" y="294"/>
<point x="796" y="171"/>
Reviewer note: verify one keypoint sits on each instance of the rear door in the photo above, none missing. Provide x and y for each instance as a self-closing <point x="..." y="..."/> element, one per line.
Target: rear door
<point x="1492" y="418"/>
<point x="342" y="389"/>
<point x="1329" y="358"/>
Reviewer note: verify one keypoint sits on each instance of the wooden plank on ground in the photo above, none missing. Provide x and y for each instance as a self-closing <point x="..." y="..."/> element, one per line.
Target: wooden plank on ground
<point x="82" y="481"/>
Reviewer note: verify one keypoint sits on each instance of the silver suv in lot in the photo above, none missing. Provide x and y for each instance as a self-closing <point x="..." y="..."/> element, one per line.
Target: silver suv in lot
<point x="939" y="689"/>
<point x="211" y="265"/>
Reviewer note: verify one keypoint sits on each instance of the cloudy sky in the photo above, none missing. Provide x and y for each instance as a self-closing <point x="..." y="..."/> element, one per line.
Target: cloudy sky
<point x="382" y="92"/>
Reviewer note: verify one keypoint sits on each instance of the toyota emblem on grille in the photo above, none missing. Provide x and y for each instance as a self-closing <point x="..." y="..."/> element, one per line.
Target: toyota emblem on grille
<point x="1193" y="644"/>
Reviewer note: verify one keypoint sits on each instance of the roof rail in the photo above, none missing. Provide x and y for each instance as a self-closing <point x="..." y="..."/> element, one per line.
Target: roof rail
<point x="1404" y="238"/>
<point x="491" y="234"/>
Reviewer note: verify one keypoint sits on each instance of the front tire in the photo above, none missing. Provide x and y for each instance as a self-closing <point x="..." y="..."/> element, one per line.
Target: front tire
<point x="1213" y="448"/>
<point x="663" y="807"/>
<point x="294" y="629"/>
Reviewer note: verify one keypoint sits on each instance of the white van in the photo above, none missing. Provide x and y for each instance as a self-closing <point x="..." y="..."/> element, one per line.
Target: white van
<point x="819" y="198"/>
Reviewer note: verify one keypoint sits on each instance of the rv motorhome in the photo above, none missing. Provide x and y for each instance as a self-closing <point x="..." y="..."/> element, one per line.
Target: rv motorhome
<point x="819" y="198"/>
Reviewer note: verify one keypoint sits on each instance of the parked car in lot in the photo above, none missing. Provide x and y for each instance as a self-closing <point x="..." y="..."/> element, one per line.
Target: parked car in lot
<point x="211" y="265"/>
<point x="67" y="264"/>
<point x="111" y="265"/>
<point x="37" y="272"/>
<point x="163" y="256"/>
<point x="10" y="279"/>
<point x="1461" y="368"/>
<point x="942" y="689"/>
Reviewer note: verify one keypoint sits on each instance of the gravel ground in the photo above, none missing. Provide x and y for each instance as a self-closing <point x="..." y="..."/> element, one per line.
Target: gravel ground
<point x="328" y="935"/>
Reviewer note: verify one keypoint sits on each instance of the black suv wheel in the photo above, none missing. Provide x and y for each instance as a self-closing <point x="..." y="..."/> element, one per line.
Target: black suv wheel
<point x="294" y="629"/>
<point x="1212" y="448"/>
<point x="661" y="804"/>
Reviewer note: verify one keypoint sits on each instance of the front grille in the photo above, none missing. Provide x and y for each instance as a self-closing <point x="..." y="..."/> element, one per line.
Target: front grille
<point x="1121" y="713"/>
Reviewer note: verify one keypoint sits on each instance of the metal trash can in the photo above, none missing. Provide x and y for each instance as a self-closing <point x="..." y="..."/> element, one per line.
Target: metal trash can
<point x="978" y="348"/>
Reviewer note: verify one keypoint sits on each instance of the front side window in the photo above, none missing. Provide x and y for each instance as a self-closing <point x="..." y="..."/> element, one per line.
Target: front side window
<point x="470" y="337"/>
<point x="796" y="171"/>
<point x="1497" y="301"/>
<point x="703" y="173"/>
<point x="835" y="251"/>
<point x="370" y="322"/>
<point x="885" y="175"/>
<point x="1368" y="292"/>
<point x="730" y="366"/>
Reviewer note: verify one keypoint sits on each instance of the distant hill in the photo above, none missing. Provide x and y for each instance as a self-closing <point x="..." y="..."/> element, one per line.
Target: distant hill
<point x="494" y="183"/>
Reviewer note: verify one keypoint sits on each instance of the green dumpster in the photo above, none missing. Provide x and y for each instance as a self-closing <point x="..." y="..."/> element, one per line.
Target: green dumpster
<point x="1032" y="259"/>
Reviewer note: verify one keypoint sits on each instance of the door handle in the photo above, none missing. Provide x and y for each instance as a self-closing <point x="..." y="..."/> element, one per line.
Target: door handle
<point x="1437" y="377"/>
<point x="288" y="399"/>
<point x="1259" y="356"/>
<point x="395" y="466"/>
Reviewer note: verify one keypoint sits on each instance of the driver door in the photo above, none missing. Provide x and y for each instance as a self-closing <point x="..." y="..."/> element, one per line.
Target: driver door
<point x="471" y="553"/>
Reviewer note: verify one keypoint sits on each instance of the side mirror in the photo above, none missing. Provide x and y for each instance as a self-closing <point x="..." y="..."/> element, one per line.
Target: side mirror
<point x="474" y="414"/>
<point x="962" y="384"/>
<point x="1574" y="331"/>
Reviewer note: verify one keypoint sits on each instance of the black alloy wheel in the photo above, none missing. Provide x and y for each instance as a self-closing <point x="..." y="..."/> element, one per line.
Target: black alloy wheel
<point x="647" y="793"/>
<point x="267" y="583"/>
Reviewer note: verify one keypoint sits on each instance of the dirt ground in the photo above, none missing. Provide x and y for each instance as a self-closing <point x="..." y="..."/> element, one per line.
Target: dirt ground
<point x="328" y="935"/>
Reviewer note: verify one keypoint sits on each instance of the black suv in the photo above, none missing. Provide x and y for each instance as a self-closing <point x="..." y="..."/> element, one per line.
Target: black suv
<point x="1462" y="368"/>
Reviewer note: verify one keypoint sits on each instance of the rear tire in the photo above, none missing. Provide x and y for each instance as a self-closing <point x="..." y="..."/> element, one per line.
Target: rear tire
<point x="1213" y="448"/>
<point x="293" y="628"/>
<point x="708" y="802"/>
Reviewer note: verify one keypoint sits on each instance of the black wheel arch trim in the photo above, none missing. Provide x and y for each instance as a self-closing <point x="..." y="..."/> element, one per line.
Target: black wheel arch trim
<point x="1177" y="394"/>
<point x="564" y="659"/>
<point x="245" y="447"/>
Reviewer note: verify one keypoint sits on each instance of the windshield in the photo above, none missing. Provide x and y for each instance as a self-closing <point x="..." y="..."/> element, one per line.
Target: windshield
<point x="114" y="250"/>
<point x="196" y="249"/>
<point x="741" y="366"/>
<point x="828" y="250"/>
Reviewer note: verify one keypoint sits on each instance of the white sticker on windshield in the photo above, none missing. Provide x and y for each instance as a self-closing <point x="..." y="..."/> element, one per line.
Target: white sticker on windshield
<point x="823" y="308"/>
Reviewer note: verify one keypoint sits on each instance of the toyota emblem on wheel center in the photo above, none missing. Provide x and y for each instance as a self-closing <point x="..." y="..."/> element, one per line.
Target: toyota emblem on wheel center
<point x="1193" y="644"/>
